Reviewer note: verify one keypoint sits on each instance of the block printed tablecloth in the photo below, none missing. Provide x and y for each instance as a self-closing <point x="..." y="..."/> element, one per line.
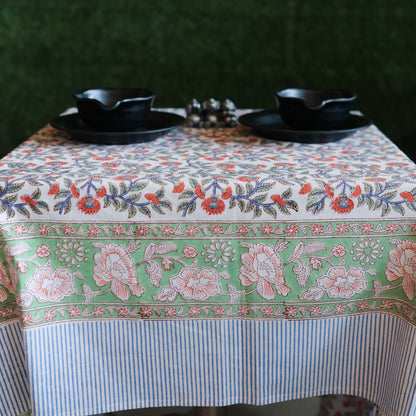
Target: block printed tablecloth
<point x="206" y="268"/>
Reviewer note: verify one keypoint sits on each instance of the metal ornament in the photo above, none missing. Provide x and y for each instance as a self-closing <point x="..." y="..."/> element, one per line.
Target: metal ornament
<point x="211" y="113"/>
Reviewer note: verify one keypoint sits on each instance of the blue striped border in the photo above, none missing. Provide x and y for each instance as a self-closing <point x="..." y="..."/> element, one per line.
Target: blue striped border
<point x="14" y="392"/>
<point x="95" y="367"/>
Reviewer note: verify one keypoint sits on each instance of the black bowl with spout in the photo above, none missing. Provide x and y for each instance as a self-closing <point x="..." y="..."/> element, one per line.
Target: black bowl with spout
<point x="314" y="108"/>
<point x="115" y="109"/>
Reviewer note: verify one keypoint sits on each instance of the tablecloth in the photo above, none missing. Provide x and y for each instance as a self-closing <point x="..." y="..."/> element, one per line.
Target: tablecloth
<point x="205" y="268"/>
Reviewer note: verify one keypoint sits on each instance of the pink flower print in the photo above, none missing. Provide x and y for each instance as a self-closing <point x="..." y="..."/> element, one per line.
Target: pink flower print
<point x="142" y="230"/>
<point x="342" y="228"/>
<point x="338" y="250"/>
<point x="219" y="311"/>
<point x="27" y="318"/>
<point x="98" y="311"/>
<point x="386" y="304"/>
<point x="317" y="229"/>
<point x="50" y="314"/>
<point x="243" y="310"/>
<point x="367" y="228"/>
<point x="167" y="230"/>
<point x="192" y="230"/>
<point x="20" y="229"/>
<point x="196" y="284"/>
<point x="392" y="227"/>
<point x="68" y="229"/>
<point x="190" y="252"/>
<point x="51" y="285"/>
<point x="122" y="311"/>
<point x="266" y="229"/>
<point x="194" y="311"/>
<point x="315" y="310"/>
<point x="262" y="266"/>
<point x="44" y="229"/>
<point x="93" y="231"/>
<point x="242" y="230"/>
<point x="402" y="265"/>
<point x="74" y="311"/>
<point x="146" y="312"/>
<point x="362" y="306"/>
<point x="267" y="311"/>
<point x="291" y="311"/>
<point x="339" y="309"/>
<point x="5" y="313"/>
<point x="43" y="251"/>
<point x="340" y="282"/>
<point x="114" y="265"/>
<point x="117" y="230"/>
<point x="217" y="229"/>
<point x="292" y="229"/>
<point x="170" y="311"/>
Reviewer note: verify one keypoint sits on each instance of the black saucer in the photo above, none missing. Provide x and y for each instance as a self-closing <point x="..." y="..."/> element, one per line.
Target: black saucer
<point x="268" y="123"/>
<point x="159" y="123"/>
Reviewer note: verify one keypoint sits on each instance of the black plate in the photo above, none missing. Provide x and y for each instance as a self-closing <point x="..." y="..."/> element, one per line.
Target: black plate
<point x="159" y="123"/>
<point x="268" y="123"/>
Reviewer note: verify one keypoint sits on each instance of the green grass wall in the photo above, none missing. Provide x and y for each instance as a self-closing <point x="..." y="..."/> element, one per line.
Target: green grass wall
<point x="183" y="49"/>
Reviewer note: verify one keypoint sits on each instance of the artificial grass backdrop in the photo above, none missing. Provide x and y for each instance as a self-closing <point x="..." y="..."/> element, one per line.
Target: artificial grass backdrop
<point x="183" y="49"/>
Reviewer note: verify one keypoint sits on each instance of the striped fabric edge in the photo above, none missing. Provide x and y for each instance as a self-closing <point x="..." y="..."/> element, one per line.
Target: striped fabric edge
<point x="96" y="367"/>
<point x="14" y="391"/>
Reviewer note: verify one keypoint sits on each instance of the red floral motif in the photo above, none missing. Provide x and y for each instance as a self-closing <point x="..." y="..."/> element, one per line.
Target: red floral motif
<point x="262" y="266"/>
<point x="356" y="192"/>
<point x="407" y="196"/>
<point x="89" y="204"/>
<point x="28" y="199"/>
<point x="194" y="311"/>
<point x="152" y="198"/>
<point x="243" y="310"/>
<point x="342" y="204"/>
<point x="242" y="230"/>
<point x="115" y="266"/>
<point x="54" y="189"/>
<point x="267" y="311"/>
<point x="196" y="284"/>
<point x="213" y="205"/>
<point x="74" y="190"/>
<point x="291" y="311"/>
<point x="142" y="230"/>
<point x="340" y="282"/>
<point x="74" y="311"/>
<point x="402" y="265"/>
<point x="219" y="311"/>
<point x="170" y="311"/>
<point x="68" y="229"/>
<point x="44" y="229"/>
<point x="227" y="193"/>
<point x="146" y="312"/>
<point x="305" y="189"/>
<point x="179" y="188"/>
<point x="278" y="199"/>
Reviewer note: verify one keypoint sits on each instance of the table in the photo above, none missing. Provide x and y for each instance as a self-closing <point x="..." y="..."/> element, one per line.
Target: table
<point x="206" y="268"/>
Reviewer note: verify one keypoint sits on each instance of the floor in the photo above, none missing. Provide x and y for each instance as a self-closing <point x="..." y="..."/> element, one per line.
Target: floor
<point x="304" y="407"/>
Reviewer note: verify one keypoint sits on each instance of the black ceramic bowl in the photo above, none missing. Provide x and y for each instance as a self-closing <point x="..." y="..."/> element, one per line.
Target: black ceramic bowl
<point x="114" y="109"/>
<point x="314" y="108"/>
